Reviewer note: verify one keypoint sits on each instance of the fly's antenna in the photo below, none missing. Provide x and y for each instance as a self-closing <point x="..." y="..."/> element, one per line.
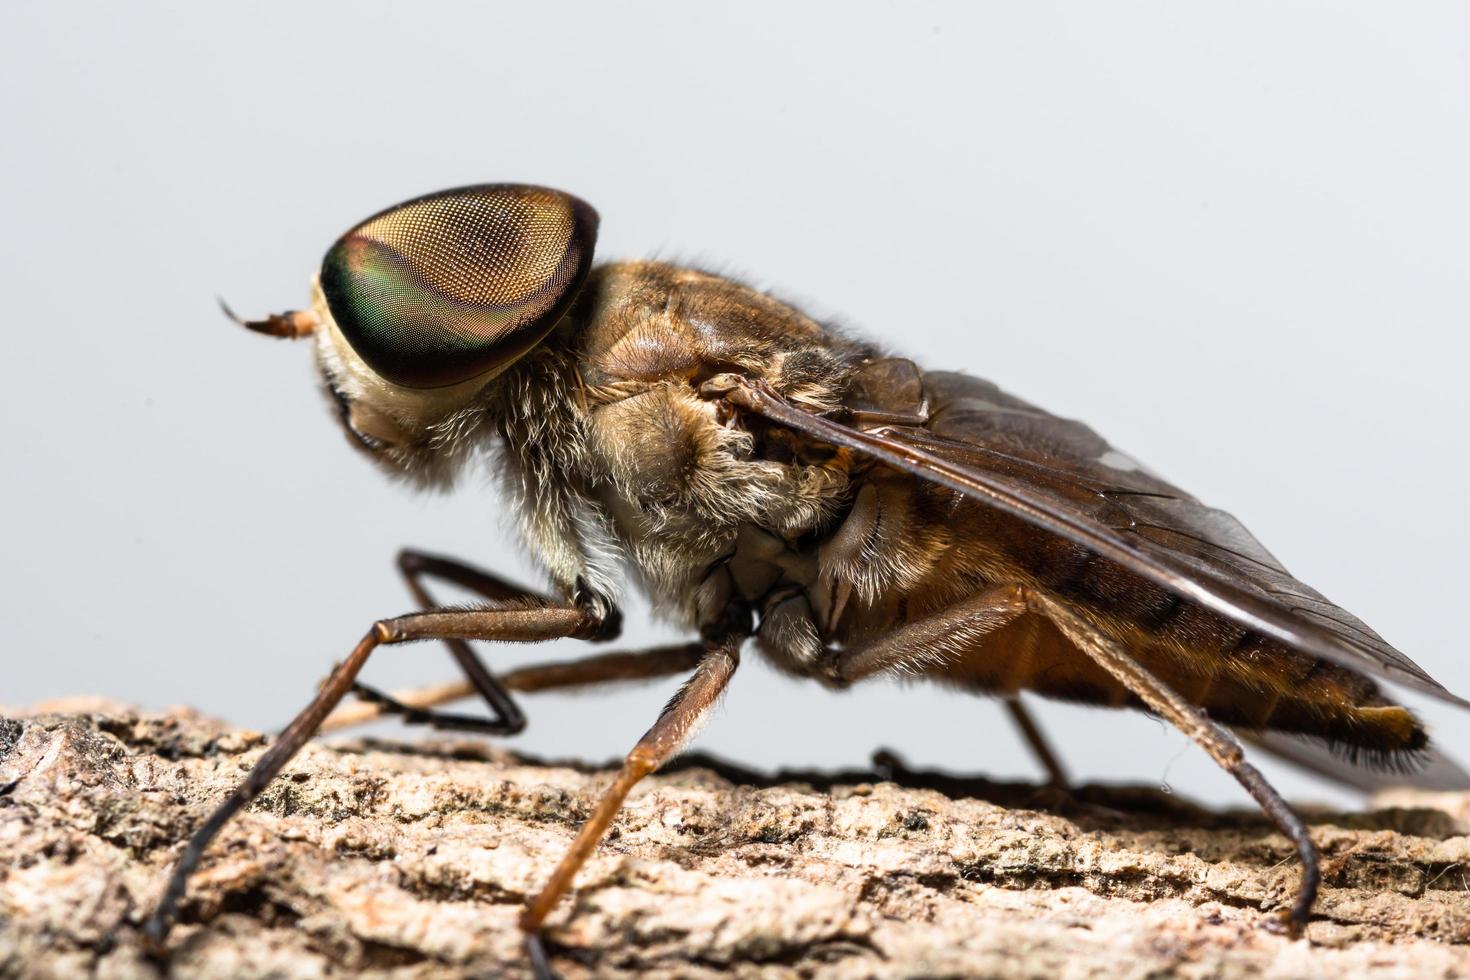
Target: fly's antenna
<point x="293" y="324"/>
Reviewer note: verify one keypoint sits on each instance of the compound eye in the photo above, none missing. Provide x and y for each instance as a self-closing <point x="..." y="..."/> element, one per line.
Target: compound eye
<point x="448" y="287"/>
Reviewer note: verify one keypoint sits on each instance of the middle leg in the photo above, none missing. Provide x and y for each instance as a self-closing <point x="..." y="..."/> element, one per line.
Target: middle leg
<point x="680" y="720"/>
<point x="416" y="567"/>
<point x="1041" y="750"/>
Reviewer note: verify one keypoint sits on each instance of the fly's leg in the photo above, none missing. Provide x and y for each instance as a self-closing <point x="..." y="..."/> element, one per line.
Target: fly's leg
<point x="416" y="566"/>
<point x="1056" y="776"/>
<point x="383" y="705"/>
<point x="946" y="634"/>
<point x="925" y="642"/>
<point x="1224" y="749"/>
<point x="519" y="622"/>
<point x="931" y="641"/>
<point x="602" y="668"/>
<point x="681" y="718"/>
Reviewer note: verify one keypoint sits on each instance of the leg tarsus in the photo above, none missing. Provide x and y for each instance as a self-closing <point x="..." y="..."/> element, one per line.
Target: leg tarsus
<point x="275" y="758"/>
<point x="1296" y="831"/>
<point x="888" y="765"/>
<point x="540" y="962"/>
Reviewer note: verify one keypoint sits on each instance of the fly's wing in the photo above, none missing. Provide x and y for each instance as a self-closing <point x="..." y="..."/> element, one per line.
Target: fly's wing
<point x="1433" y="769"/>
<point x="976" y="423"/>
<point x="1062" y="477"/>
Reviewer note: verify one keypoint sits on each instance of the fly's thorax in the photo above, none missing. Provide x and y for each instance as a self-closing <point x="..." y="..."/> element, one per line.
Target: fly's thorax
<point x="649" y="334"/>
<point x="677" y="477"/>
<point x="653" y="321"/>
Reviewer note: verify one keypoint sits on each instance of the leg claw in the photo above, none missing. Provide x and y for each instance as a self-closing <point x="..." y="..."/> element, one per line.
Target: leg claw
<point x="540" y="962"/>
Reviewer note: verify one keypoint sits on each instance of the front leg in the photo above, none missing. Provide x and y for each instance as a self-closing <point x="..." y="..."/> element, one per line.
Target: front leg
<point x="507" y="718"/>
<point x="519" y="621"/>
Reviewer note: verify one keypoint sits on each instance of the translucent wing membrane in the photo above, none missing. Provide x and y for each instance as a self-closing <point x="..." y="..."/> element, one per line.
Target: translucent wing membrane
<point x="1433" y="769"/>
<point x="1172" y="534"/>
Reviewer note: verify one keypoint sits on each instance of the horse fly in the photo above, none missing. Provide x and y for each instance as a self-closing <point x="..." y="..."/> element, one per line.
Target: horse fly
<point x="765" y="477"/>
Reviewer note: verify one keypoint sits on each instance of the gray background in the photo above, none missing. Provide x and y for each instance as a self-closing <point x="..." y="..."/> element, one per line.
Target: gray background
<point x="1233" y="237"/>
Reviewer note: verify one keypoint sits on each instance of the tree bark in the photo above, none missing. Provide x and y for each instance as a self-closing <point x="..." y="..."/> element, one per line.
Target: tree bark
<point x="412" y="860"/>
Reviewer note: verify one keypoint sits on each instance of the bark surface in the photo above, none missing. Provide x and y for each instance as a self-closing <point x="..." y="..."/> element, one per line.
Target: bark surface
<point x="412" y="860"/>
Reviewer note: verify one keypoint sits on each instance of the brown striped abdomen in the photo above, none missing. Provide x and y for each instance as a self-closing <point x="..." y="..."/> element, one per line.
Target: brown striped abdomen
<point x="1256" y="685"/>
<point x="1238" y="677"/>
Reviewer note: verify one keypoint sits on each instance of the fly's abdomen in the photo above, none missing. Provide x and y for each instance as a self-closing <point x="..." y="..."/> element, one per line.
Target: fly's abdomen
<point x="1236" y="676"/>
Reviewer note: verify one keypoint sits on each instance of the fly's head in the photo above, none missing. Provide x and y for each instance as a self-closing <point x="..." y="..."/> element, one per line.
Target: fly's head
<point x="418" y="309"/>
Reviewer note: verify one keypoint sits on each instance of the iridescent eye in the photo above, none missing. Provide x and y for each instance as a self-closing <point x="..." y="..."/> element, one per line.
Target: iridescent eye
<point x="445" y="288"/>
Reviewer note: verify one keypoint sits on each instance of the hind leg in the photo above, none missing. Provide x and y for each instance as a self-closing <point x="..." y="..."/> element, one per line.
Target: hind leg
<point x="1214" y="739"/>
<point x="931" y="641"/>
<point x="925" y="644"/>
